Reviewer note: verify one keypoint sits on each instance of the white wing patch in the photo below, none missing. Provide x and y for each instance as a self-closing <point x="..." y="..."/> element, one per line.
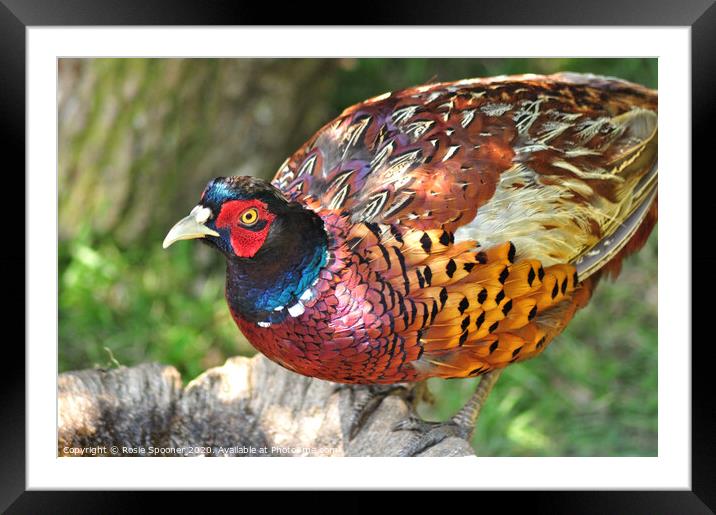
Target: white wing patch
<point x="541" y="214"/>
<point x="521" y="209"/>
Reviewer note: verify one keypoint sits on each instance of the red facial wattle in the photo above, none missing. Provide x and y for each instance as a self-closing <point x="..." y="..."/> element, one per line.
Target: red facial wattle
<point x="245" y="240"/>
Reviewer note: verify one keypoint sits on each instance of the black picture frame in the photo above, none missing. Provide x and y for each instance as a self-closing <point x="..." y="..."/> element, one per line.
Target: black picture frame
<point x="17" y="15"/>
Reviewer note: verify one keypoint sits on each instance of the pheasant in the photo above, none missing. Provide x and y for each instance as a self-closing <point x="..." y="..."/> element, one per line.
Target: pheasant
<point x="446" y="230"/>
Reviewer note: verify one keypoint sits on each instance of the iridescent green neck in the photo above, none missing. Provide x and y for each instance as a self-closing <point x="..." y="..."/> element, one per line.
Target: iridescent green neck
<point x="268" y="287"/>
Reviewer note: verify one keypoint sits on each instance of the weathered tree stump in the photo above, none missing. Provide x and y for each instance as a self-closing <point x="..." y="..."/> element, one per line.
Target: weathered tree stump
<point x="247" y="407"/>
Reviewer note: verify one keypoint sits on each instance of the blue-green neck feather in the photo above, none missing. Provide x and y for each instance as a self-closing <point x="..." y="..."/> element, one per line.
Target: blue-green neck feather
<point x="257" y="299"/>
<point x="284" y="268"/>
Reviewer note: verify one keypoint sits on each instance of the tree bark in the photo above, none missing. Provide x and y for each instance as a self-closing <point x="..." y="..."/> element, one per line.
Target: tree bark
<point x="132" y="131"/>
<point x="247" y="407"/>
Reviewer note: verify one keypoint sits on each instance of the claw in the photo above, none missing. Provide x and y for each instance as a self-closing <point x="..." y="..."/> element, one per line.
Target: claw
<point x="366" y="401"/>
<point x="429" y="434"/>
<point x="462" y="425"/>
<point x="410" y="423"/>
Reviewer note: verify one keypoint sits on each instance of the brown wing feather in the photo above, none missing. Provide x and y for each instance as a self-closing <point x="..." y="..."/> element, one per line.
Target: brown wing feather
<point x="432" y="155"/>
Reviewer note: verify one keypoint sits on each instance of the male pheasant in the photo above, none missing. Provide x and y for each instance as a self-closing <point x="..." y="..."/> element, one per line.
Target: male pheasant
<point x="446" y="230"/>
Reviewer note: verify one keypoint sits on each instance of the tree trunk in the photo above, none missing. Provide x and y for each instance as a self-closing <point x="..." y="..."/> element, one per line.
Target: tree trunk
<point x="247" y="407"/>
<point x="136" y="131"/>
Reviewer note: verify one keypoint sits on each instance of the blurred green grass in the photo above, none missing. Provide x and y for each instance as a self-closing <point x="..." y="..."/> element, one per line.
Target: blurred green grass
<point x="591" y="393"/>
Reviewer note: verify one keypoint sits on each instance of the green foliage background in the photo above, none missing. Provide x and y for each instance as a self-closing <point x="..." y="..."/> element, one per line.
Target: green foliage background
<point x="123" y="300"/>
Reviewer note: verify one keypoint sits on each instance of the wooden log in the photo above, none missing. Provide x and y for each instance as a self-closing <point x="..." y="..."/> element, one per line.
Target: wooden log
<point x="247" y="407"/>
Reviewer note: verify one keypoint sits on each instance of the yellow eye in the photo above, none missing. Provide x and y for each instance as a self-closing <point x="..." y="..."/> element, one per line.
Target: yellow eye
<point x="250" y="216"/>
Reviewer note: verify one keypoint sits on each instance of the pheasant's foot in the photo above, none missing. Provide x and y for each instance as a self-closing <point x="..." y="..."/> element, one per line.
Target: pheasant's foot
<point x="461" y="425"/>
<point x="429" y="433"/>
<point x="366" y="400"/>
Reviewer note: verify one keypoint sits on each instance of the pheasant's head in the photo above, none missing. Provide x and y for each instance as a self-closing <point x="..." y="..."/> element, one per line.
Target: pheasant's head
<point x="274" y="248"/>
<point x="240" y="216"/>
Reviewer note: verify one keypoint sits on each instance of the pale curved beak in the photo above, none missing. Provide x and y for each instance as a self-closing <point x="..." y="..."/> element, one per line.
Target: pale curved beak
<point x="190" y="228"/>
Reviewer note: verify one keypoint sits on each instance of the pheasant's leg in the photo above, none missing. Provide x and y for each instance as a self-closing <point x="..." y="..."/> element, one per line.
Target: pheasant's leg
<point x="366" y="400"/>
<point x="462" y="424"/>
